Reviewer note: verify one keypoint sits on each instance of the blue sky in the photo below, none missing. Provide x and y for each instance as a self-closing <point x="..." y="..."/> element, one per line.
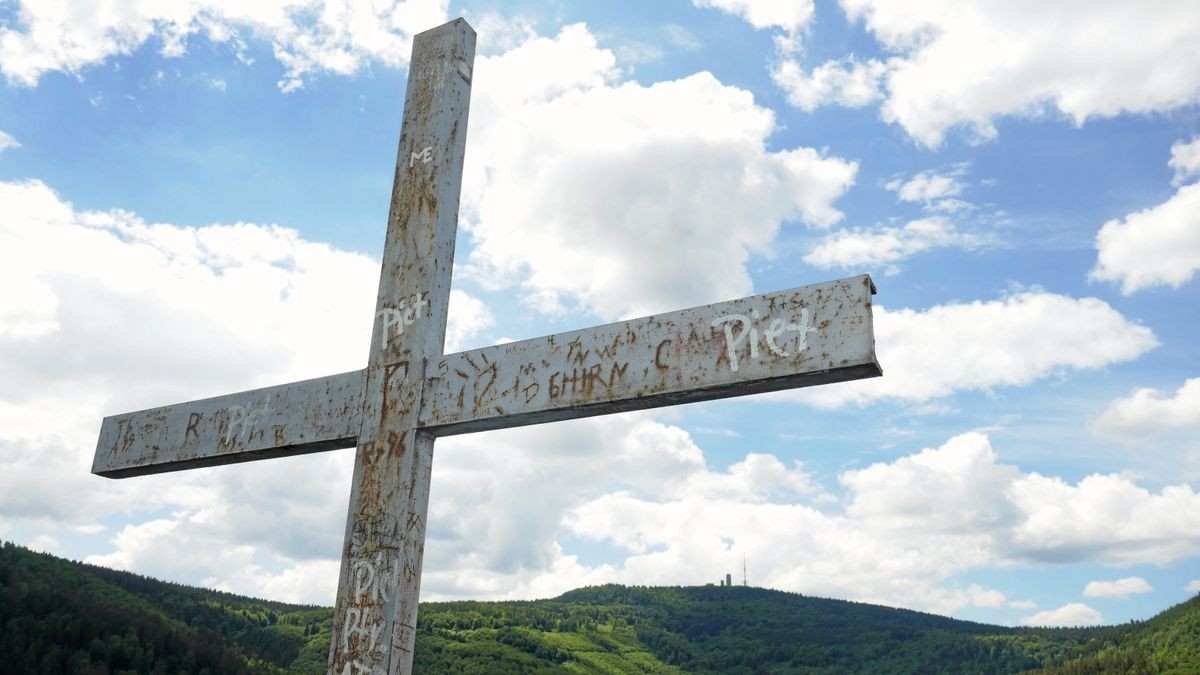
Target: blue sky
<point x="193" y="198"/>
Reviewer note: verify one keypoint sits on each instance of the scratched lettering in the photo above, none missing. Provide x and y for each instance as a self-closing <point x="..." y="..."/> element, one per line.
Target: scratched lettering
<point x="658" y="354"/>
<point x="375" y="533"/>
<point x="586" y="381"/>
<point x="403" y="637"/>
<point x="193" y="422"/>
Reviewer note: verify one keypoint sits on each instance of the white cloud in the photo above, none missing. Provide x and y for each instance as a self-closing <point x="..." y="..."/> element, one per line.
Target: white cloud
<point x="469" y="318"/>
<point x="220" y="308"/>
<point x="984" y="345"/>
<point x="927" y="186"/>
<point x="1193" y="586"/>
<point x="963" y="473"/>
<point x="622" y="198"/>
<point x="633" y="52"/>
<point x="46" y="544"/>
<point x="961" y="494"/>
<point x="7" y="142"/>
<point x="887" y="245"/>
<point x="228" y="294"/>
<point x="846" y="82"/>
<point x="498" y="33"/>
<point x="1070" y="614"/>
<point x="1121" y="588"/>
<point x="1104" y="518"/>
<point x="906" y="530"/>
<point x="503" y="497"/>
<point x="786" y="14"/>
<point x="1185" y="160"/>
<point x="1147" y="410"/>
<point x="1156" y="246"/>
<point x="961" y="489"/>
<point x="308" y="37"/>
<point x="964" y="63"/>
<point x="117" y="314"/>
<point x="681" y="37"/>
<point x="241" y="534"/>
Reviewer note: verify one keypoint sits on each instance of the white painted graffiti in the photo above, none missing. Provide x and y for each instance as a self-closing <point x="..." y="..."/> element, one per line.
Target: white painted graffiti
<point x="405" y="313"/>
<point x="425" y="156"/>
<point x="243" y="421"/>
<point x="359" y="626"/>
<point x="355" y="667"/>
<point x="746" y="330"/>
<point x="372" y="578"/>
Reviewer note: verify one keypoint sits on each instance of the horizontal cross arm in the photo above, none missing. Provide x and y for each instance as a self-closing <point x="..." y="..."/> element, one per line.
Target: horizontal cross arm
<point x="296" y="418"/>
<point x="806" y="336"/>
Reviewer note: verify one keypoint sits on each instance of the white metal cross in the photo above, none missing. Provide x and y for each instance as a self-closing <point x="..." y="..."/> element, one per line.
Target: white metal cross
<point x="410" y="392"/>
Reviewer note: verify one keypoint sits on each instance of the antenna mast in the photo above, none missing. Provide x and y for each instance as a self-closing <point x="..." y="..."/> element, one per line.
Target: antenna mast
<point x="744" y="581"/>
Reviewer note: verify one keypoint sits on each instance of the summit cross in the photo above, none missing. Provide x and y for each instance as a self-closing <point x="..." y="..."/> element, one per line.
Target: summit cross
<point x="410" y="392"/>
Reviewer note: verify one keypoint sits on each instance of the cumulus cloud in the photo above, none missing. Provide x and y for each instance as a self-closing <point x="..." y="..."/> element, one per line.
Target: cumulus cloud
<point x="1070" y="614"/>
<point x="1193" y="586"/>
<point x="886" y="245"/>
<point x="116" y="314"/>
<point x="962" y="489"/>
<point x="1100" y="516"/>
<point x="1148" y="410"/>
<point x="624" y="199"/>
<point x="1159" y="246"/>
<point x="242" y="534"/>
<point x="503" y="496"/>
<point x="845" y="82"/>
<point x="7" y="142"/>
<point x="469" y="319"/>
<point x="220" y="308"/>
<point x="498" y="33"/>
<point x="1185" y="160"/>
<point x="927" y="186"/>
<point x="963" y="472"/>
<point x="963" y="64"/>
<point x="508" y="504"/>
<point x="681" y="38"/>
<point x="308" y="37"/>
<point x="1121" y="588"/>
<point x="984" y="345"/>
<point x="905" y="530"/>
<point x="495" y="523"/>
<point x="786" y="14"/>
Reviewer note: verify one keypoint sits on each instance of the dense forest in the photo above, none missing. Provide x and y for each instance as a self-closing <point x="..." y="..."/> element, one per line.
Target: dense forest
<point x="58" y="616"/>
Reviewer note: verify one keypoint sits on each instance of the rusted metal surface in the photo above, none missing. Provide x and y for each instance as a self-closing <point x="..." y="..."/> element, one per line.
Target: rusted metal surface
<point x="301" y="417"/>
<point x="376" y="613"/>
<point x="805" y="336"/>
<point x="811" y="335"/>
<point x="409" y="393"/>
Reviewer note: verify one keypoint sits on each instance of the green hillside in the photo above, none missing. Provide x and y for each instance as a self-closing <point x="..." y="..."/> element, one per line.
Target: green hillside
<point x="58" y="616"/>
<point x="1168" y="643"/>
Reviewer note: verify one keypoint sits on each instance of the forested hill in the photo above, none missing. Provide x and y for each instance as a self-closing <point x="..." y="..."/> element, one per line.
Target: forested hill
<point x="58" y="616"/>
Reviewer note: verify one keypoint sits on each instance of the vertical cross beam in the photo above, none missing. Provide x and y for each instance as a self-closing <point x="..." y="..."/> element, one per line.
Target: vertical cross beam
<point x="385" y="527"/>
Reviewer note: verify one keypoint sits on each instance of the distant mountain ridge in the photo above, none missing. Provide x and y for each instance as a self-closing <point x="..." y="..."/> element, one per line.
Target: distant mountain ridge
<point x="58" y="616"/>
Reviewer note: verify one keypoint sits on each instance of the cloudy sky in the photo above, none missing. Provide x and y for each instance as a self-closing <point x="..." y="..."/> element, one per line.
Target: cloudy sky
<point x="193" y="196"/>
